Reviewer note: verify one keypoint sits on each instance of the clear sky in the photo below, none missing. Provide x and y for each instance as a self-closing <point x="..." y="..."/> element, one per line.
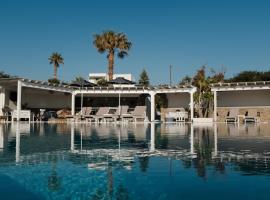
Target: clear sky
<point x="186" y="34"/>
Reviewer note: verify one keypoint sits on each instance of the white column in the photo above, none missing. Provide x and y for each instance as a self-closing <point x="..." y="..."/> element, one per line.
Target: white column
<point x="215" y="105"/>
<point x="73" y="104"/>
<point x="215" y="140"/>
<point x="19" y="99"/>
<point x="152" y="139"/>
<point x="18" y="143"/>
<point x="2" y="99"/>
<point x="191" y="104"/>
<point x="153" y="106"/>
<point x="1" y="137"/>
<point x="72" y="137"/>
<point x="191" y="139"/>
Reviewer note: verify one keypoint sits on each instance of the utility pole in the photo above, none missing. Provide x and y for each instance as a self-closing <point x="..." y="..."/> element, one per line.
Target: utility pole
<point x="170" y="75"/>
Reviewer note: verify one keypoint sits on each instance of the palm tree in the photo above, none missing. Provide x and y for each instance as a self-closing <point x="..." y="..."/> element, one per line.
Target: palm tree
<point x="112" y="43"/>
<point x="56" y="59"/>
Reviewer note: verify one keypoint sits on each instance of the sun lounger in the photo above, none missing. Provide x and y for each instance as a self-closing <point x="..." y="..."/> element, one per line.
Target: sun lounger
<point x="100" y="113"/>
<point x="116" y="113"/>
<point x="138" y="113"/>
<point x="89" y="113"/>
<point x="232" y="117"/>
<point x="252" y="116"/>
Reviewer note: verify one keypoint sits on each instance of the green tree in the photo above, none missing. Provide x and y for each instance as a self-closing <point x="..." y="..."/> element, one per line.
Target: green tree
<point x="144" y="79"/>
<point x="56" y="59"/>
<point x="112" y="43"/>
<point x="249" y="76"/>
<point x="54" y="81"/>
<point x="79" y="79"/>
<point x="4" y="75"/>
<point x="203" y="97"/>
<point x="102" y="82"/>
<point x="186" y="80"/>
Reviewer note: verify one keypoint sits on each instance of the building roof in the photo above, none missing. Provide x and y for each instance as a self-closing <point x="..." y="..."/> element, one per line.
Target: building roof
<point x="82" y="83"/>
<point x="121" y="80"/>
<point x="241" y="85"/>
<point x="112" y="88"/>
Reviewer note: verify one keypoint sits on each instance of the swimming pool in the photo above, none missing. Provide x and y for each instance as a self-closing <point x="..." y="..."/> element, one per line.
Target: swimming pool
<point x="134" y="161"/>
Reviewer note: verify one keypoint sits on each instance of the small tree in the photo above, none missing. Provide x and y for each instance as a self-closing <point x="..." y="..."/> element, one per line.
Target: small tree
<point x="54" y="81"/>
<point x="186" y="80"/>
<point x="144" y="79"/>
<point x="79" y="79"/>
<point x="203" y="97"/>
<point x="4" y="75"/>
<point x="102" y="82"/>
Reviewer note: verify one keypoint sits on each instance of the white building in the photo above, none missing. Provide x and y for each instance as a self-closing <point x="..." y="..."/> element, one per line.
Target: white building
<point x="94" y="77"/>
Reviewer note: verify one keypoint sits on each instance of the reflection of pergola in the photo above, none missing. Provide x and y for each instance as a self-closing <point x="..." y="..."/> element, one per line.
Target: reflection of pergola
<point x="19" y="83"/>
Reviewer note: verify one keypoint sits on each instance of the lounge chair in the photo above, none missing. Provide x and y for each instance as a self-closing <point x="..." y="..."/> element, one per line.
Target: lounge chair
<point x="232" y="117"/>
<point x="112" y="115"/>
<point x="138" y="113"/>
<point x="252" y="116"/>
<point x="89" y="114"/>
<point x="115" y="113"/>
<point x="100" y="113"/>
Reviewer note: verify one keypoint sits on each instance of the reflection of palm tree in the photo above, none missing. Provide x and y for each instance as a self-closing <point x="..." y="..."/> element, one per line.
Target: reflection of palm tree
<point x="204" y="153"/>
<point x="121" y="193"/>
<point x="54" y="182"/>
<point x="144" y="161"/>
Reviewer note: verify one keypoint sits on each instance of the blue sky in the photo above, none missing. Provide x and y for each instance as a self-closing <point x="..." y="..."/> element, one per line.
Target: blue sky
<point x="185" y="34"/>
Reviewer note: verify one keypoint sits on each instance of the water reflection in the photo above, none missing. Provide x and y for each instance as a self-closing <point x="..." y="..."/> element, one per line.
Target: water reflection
<point x="68" y="153"/>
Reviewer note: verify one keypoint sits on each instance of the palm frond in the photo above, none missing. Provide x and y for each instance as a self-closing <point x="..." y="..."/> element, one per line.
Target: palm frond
<point x="122" y="54"/>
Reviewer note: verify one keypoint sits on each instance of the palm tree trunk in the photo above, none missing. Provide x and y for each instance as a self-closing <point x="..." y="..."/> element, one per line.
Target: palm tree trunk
<point x="111" y="63"/>
<point x="55" y="72"/>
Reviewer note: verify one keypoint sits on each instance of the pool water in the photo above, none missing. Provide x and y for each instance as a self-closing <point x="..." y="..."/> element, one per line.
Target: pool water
<point x="134" y="161"/>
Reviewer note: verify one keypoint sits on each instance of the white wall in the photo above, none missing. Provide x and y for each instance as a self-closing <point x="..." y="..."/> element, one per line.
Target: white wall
<point x="243" y="98"/>
<point x="178" y="100"/>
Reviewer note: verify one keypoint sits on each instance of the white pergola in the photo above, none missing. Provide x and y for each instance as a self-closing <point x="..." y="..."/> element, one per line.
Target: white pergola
<point x="151" y="91"/>
<point x="238" y="86"/>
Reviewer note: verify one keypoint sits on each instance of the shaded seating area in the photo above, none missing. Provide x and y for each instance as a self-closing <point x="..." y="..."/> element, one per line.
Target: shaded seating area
<point x="59" y="102"/>
<point x="110" y="114"/>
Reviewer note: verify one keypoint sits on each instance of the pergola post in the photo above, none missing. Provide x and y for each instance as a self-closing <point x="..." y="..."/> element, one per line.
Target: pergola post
<point x="152" y="140"/>
<point x="72" y="137"/>
<point x="215" y="106"/>
<point x="2" y="99"/>
<point x="73" y="104"/>
<point x="19" y="99"/>
<point x="215" y="140"/>
<point x="153" y="107"/>
<point x="18" y="143"/>
<point x="191" y="104"/>
<point x="191" y="139"/>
